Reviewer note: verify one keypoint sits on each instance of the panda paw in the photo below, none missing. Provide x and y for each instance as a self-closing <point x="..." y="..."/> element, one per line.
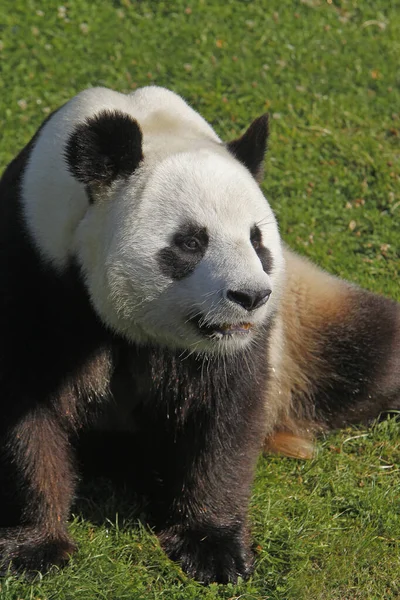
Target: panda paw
<point x="29" y="551"/>
<point x="209" y="555"/>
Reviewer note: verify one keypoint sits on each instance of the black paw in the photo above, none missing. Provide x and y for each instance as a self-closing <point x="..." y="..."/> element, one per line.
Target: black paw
<point x="210" y="555"/>
<point x="29" y="551"/>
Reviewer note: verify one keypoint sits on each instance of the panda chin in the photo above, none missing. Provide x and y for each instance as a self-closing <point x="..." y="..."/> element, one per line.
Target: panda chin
<point x="221" y="331"/>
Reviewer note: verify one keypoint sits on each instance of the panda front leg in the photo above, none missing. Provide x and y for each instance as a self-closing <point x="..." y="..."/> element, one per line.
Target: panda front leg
<point x="37" y="487"/>
<point x="205" y="473"/>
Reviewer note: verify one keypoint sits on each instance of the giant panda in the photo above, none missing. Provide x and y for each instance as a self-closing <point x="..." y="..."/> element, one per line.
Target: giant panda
<point x="142" y="271"/>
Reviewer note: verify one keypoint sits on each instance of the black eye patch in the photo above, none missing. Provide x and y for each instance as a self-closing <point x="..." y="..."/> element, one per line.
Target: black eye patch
<point x="187" y="248"/>
<point x="263" y="253"/>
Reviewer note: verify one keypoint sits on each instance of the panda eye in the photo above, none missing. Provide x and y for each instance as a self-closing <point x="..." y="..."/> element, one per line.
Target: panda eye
<point x="191" y="239"/>
<point x="191" y="244"/>
<point x="256" y="238"/>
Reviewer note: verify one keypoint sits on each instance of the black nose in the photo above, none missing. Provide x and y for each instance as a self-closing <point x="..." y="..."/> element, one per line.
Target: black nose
<point x="249" y="299"/>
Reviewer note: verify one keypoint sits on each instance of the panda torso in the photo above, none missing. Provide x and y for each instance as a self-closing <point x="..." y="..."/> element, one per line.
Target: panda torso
<point x="135" y="253"/>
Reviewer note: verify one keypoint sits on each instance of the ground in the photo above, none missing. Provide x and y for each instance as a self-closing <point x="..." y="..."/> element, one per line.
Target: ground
<point x="327" y="72"/>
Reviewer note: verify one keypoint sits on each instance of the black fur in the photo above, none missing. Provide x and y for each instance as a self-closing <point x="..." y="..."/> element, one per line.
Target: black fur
<point x="104" y="147"/>
<point x="263" y="253"/>
<point x="179" y="260"/>
<point x="251" y="147"/>
<point x="200" y="492"/>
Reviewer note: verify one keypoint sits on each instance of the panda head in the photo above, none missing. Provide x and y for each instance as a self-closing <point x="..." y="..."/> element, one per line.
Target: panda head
<point x="176" y="242"/>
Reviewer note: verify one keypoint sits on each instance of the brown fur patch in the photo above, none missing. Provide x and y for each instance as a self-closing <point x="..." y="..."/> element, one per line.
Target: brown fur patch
<point x="290" y="445"/>
<point x="334" y="354"/>
<point x="310" y="297"/>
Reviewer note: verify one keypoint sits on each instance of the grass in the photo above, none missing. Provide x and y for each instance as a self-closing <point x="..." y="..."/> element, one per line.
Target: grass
<point x="328" y="74"/>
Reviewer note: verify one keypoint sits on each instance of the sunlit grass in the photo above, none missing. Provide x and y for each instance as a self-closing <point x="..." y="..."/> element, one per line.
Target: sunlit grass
<point x="327" y="72"/>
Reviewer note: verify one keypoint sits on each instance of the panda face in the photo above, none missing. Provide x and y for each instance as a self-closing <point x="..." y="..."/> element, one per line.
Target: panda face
<point x="185" y="253"/>
<point x="175" y="241"/>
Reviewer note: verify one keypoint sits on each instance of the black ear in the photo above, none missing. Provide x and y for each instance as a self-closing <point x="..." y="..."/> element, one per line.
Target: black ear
<point x="104" y="147"/>
<point x="250" y="149"/>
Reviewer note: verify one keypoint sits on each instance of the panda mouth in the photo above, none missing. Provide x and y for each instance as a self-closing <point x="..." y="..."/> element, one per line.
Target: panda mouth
<point x="218" y="331"/>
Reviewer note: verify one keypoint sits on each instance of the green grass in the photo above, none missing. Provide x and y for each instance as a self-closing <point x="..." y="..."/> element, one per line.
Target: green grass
<point x="328" y="73"/>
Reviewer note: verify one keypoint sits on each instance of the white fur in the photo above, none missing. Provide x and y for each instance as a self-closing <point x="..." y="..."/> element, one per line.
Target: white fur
<point x="186" y="175"/>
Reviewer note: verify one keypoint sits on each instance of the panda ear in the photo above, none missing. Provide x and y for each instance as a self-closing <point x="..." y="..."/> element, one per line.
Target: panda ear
<point x="104" y="147"/>
<point x="251" y="147"/>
